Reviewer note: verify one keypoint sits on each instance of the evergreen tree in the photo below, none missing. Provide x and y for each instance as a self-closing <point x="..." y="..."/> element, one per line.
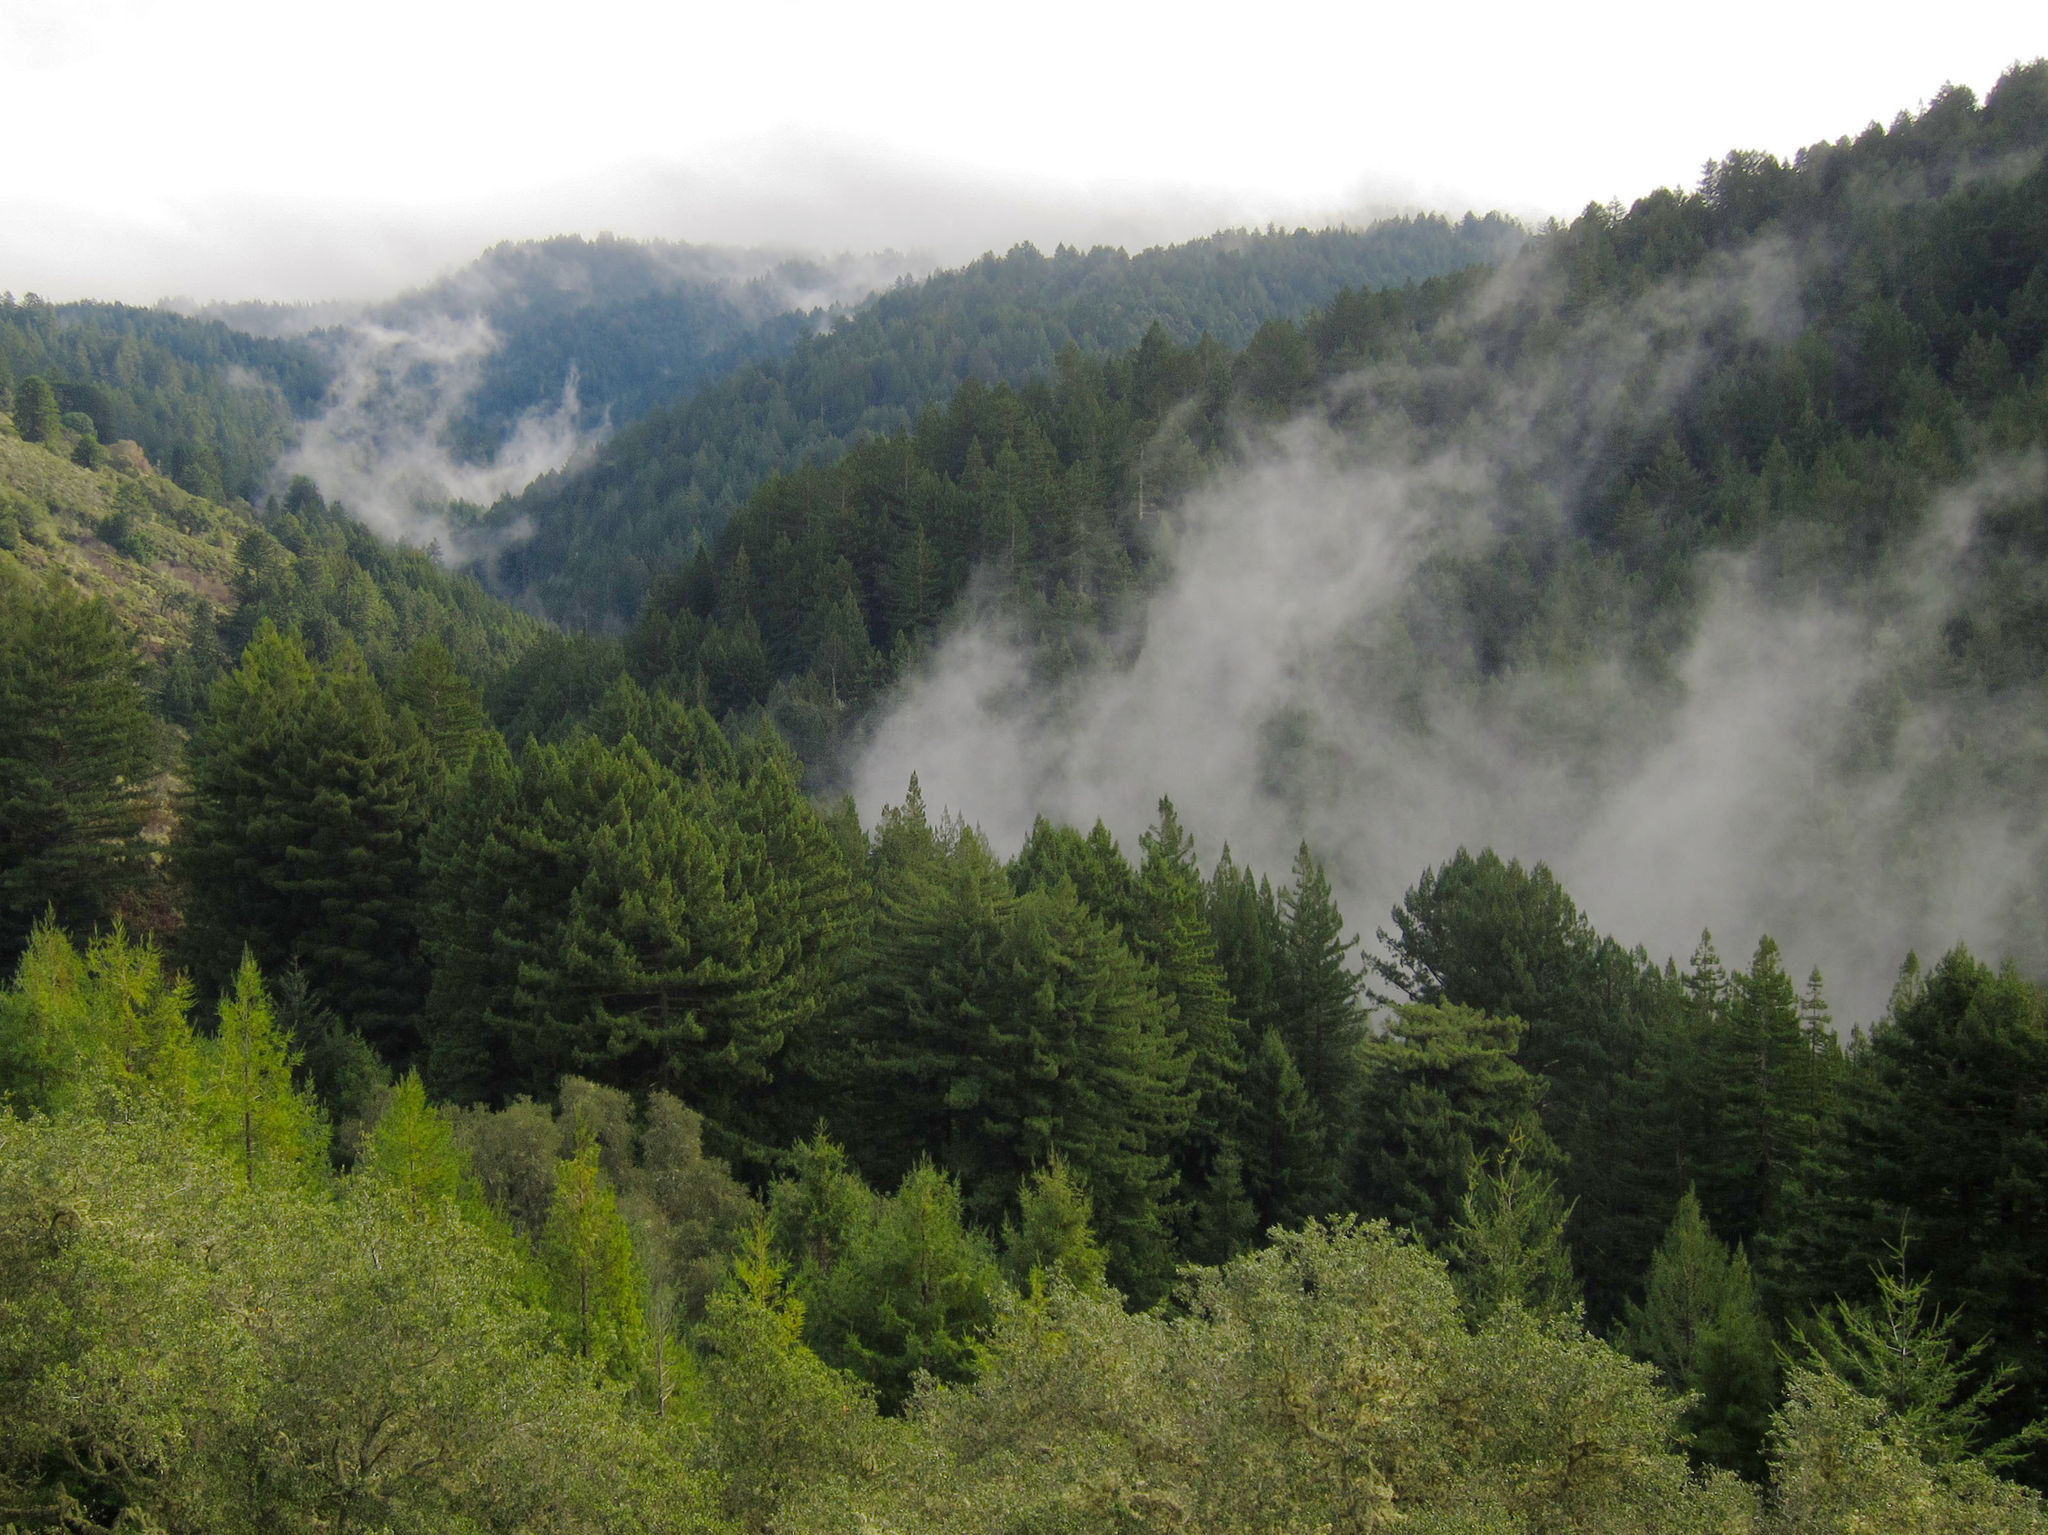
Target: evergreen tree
<point x="445" y="707"/>
<point x="1485" y="933"/>
<point x="998" y="1029"/>
<point x="1701" y="1325"/>
<point x="1903" y="1351"/>
<point x="1315" y="996"/>
<point x="1245" y="917"/>
<point x="1094" y="865"/>
<point x="106" y="1028"/>
<point x="820" y="1207"/>
<point x="1508" y="1244"/>
<point x="1441" y="1088"/>
<point x="594" y="1280"/>
<point x="413" y="1152"/>
<point x="915" y="1290"/>
<point x="271" y="1129"/>
<point x="1286" y="1174"/>
<point x="35" y="409"/>
<point x="1171" y="931"/>
<point x="303" y="837"/>
<point x="76" y="759"/>
<point x="336" y="1063"/>
<point x="1762" y="1063"/>
<point x="1053" y="1240"/>
<point x="1943" y="1134"/>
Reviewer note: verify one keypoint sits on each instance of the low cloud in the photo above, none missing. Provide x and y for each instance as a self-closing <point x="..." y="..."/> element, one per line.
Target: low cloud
<point x="1290" y="678"/>
<point x="377" y="446"/>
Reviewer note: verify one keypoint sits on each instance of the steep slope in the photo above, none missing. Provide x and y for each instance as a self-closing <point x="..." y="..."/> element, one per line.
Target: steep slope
<point x="192" y="577"/>
<point x="589" y="538"/>
<point x="211" y="404"/>
<point x="466" y="389"/>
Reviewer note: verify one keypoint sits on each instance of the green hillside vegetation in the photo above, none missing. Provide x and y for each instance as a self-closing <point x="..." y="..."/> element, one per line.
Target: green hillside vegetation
<point x="670" y="480"/>
<point x="209" y="405"/>
<point x="638" y="323"/>
<point x="1920" y="284"/>
<point x="507" y="1321"/>
<point x="491" y="1094"/>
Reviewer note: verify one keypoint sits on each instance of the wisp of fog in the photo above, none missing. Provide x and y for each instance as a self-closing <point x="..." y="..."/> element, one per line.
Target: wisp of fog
<point x="1289" y="677"/>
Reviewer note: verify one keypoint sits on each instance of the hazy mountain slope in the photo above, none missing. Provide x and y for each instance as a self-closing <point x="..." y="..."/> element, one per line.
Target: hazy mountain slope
<point x="192" y="577"/>
<point x="1697" y="552"/>
<point x="468" y="388"/>
<point x="590" y="537"/>
<point x="211" y="404"/>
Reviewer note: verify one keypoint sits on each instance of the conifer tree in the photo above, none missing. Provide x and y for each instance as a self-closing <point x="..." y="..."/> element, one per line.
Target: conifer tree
<point x="1053" y="1240"/>
<point x="1942" y="1132"/>
<point x="106" y="1027"/>
<point x="76" y="758"/>
<point x="36" y="413"/>
<point x="915" y="1290"/>
<point x="680" y="736"/>
<point x="822" y="1205"/>
<point x="1000" y="1028"/>
<point x="594" y="1280"/>
<point x="1940" y="1391"/>
<point x="1761" y="1061"/>
<point x="445" y="707"/>
<point x="303" y="838"/>
<point x="1508" y="1244"/>
<point x="413" y="1150"/>
<point x="1245" y="917"/>
<point x="1094" y="865"/>
<point x="807" y="910"/>
<point x="1287" y="1175"/>
<point x="1316" y="998"/>
<point x="1440" y="1088"/>
<point x="269" y="1128"/>
<point x="1171" y="931"/>
<point x="1701" y="1324"/>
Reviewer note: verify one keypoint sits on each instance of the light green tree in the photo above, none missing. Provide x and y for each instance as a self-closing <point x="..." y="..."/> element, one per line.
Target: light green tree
<point x="271" y="1130"/>
<point x="97" y="1029"/>
<point x="594" y="1279"/>
<point x="413" y="1150"/>
<point x="1507" y="1246"/>
<point x="1053" y="1240"/>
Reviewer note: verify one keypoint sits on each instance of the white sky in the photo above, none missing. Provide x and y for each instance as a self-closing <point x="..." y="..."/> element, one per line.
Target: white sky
<point x="261" y="148"/>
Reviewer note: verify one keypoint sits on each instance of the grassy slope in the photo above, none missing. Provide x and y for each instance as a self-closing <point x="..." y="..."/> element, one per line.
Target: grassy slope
<point x="54" y="513"/>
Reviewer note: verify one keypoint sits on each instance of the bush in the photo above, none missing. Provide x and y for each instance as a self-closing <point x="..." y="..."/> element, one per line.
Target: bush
<point x="35" y="409"/>
<point x="129" y="535"/>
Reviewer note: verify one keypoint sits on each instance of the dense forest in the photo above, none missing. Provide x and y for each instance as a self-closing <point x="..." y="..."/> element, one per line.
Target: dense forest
<point x="637" y="323"/>
<point x="457" y="1075"/>
<point x="212" y="405"/>
<point x="591" y="535"/>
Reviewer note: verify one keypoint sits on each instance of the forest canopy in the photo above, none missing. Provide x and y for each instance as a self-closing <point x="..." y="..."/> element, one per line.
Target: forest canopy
<point x="457" y="1074"/>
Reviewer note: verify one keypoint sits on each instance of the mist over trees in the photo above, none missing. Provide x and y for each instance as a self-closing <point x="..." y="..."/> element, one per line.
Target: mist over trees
<point x="461" y="1075"/>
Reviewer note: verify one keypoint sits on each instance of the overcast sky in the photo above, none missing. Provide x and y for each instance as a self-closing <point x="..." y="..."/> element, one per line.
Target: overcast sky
<point x="247" y="148"/>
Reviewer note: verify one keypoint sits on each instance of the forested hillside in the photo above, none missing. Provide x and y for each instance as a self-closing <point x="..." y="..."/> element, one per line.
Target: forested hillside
<point x="459" y="1077"/>
<point x="637" y="323"/>
<point x="597" y="532"/>
<point x="1902" y="354"/>
<point x="213" y="406"/>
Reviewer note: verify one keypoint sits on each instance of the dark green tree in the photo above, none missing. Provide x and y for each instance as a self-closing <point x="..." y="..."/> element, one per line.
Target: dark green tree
<point x="35" y="409"/>
<point x="1170" y="930"/>
<point x="1441" y="1089"/>
<point x="1316" y="998"/>
<point x="302" y="840"/>
<point x="76" y="760"/>
<point x="1701" y="1324"/>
